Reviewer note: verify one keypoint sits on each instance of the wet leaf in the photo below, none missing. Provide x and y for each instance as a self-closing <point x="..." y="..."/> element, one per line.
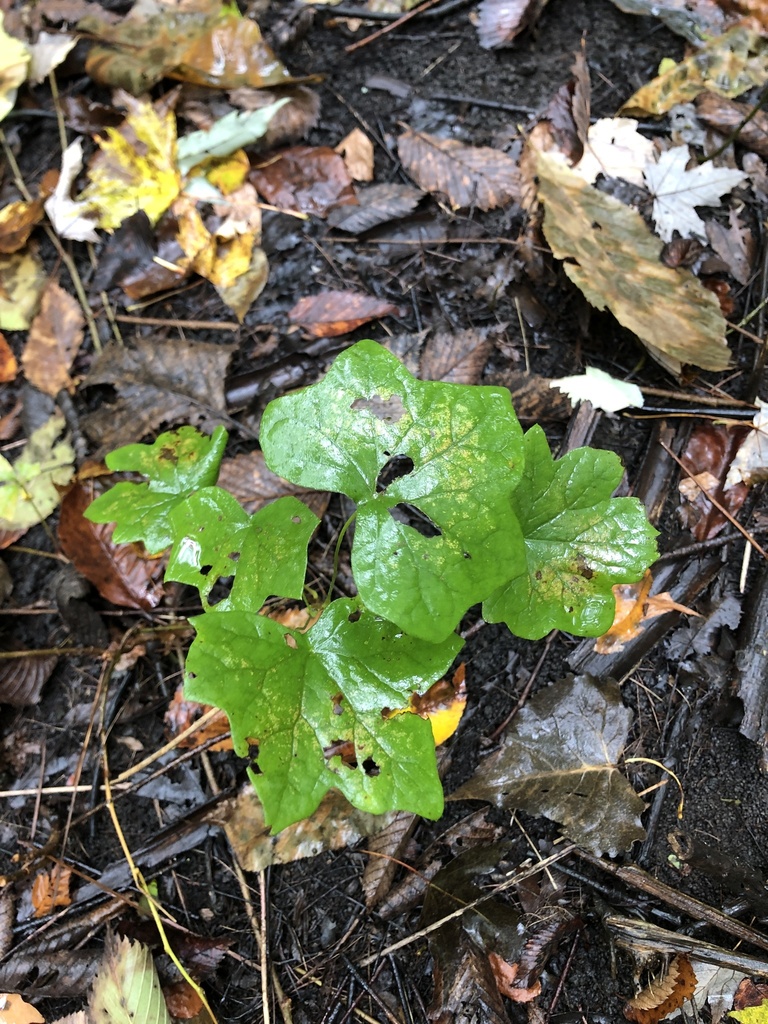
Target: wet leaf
<point x="184" y="1002"/>
<point x="54" y="339"/>
<point x="725" y="116"/>
<point x="579" y="542"/>
<point x="29" y="488"/>
<point x="121" y="573"/>
<point x="615" y="148"/>
<point x="8" y="365"/>
<point x="249" y="479"/>
<point x="305" y="179"/>
<point x="126" y="988"/>
<point x="613" y="257"/>
<point x="356" y="149"/>
<point x="238" y="129"/>
<point x="468" y="175"/>
<point x="634" y="606"/>
<point x="375" y="205"/>
<point x="14" y="63"/>
<point x="240" y="295"/>
<point x="70" y="218"/>
<point x="51" y="889"/>
<point x="17" y="221"/>
<point x="22" y="679"/>
<point x="182" y="714"/>
<point x="23" y="280"/>
<point x="708" y="455"/>
<point x="694" y="21"/>
<point x="500" y="21"/>
<point x="456" y="357"/>
<point x="15" y="1010"/>
<point x="677" y="191"/>
<point x="136" y="168"/>
<point x="559" y="759"/>
<point x="663" y="996"/>
<point x="329" y="314"/>
<point x="458" y="440"/>
<point x="335" y="825"/>
<point x="600" y="389"/>
<point x="158" y="381"/>
<point x="727" y="65"/>
<point x="750" y="464"/>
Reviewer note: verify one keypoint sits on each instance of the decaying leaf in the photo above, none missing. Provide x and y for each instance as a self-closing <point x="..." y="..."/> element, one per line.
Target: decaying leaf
<point x="126" y="989"/>
<point x="634" y="606"/>
<point x="600" y="389"/>
<point x="8" y="365"/>
<point x="122" y="573"/>
<point x="54" y="339"/>
<point x="47" y="52"/>
<point x="677" y="191"/>
<point x="735" y="244"/>
<point x="181" y="714"/>
<point x="500" y="21"/>
<point x="750" y="465"/>
<point x="50" y="889"/>
<point x="709" y="453"/>
<point x="614" y="259"/>
<point x="70" y="218"/>
<point x="159" y="381"/>
<point x="375" y="205"/>
<point x="232" y="132"/>
<point x="17" y="221"/>
<point x="662" y="996"/>
<point x="456" y="357"/>
<point x="329" y="314"/>
<point x="615" y="148"/>
<point x="305" y="179"/>
<point x="23" y="279"/>
<point x="694" y="21"/>
<point x="29" y="488"/>
<point x="727" y="65"/>
<point x="559" y="759"/>
<point x="725" y="116"/>
<point x="15" y="1010"/>
<point x="22" y="679"/>
<point x="248" y="478"/>
<point x="468" y="175"/>
<point x="356" y="149"/>
<point x="715" y="987"/>
<point x="14" y="63"/>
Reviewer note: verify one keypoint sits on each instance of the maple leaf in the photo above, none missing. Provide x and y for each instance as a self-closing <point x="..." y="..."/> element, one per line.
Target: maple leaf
<point x="615" y="147"/>
<point x="751" y="462"/>
<point x="677" y="191"/>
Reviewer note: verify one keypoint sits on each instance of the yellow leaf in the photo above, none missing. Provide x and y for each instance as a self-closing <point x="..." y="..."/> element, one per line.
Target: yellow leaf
<point x="443" y="704"/>
<point x="22" y="280"/>
<point x="136" y="169"/>
<point x="240" y="295"/>
<point x="14" y="64"/>
<point x="228" y="173"/>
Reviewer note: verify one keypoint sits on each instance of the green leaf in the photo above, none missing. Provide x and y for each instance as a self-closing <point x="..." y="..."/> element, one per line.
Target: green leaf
<point x="28" y="487"/>
<point x="465" y="446"/>
<point x="559" y="759"/>
<point x="300" y="695"/>
<point x="237" y="129"/>
<point x="579" y="542"/>
<point x="177" y="464"/>
<point x="126" y="988"/>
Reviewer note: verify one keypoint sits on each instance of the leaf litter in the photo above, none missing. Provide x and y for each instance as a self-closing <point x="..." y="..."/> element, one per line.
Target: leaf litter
<point x="161" y="382"/>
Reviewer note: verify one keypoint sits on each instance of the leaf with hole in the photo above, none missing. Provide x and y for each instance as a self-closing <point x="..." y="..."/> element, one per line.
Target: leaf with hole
<point x="438" y="534"/>
<point x="579" y="542"/>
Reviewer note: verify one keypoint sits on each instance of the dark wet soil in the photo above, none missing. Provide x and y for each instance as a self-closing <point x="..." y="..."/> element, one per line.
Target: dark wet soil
<point x="317" y="920"/>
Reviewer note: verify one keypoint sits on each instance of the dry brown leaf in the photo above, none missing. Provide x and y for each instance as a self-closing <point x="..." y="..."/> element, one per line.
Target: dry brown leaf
<point x="14" y="1010"/>
<point x="8" y="365"/>
<point x="356" y="149"/>
<point x="305" y="179"/>
<point x="663" y="996"/>
<point x="500" y="21"/>
<point x="725" y="116"/>
<point x="250" y="480"/>
<point x="17" y="221"/>
<point x="708" y="455"/>
<point x="292" y="122"/>
<point x="332" y="313"/>
<point x="734" y="244"/>
<point x="506" y="975"/>
<point x="55" y="336"/>
<point x="183" y="1001"/>
<point x="181" y="714"/>
<point x="122" y="573"/>
<point x="51" y="889"/>
<point x="457" y="357"/>
<point x="467" y="175"/>
<point x="634" y="606"/>
<point x="22" y="679"/>
<point x="375" y="205"/>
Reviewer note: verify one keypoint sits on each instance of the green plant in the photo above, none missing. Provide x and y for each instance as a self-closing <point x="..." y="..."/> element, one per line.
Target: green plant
<point x="454" y="506"/>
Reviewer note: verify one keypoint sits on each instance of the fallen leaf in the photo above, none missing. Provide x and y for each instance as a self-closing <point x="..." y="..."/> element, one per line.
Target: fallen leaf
<point x="456" y="357"/>
<point x="612" y="256"/>
<point x="500" y="21"/>
<point x="676" y="191"/>
<point x="468" y="175"/>
<point x="727" y="65"/>
<point x="51" y="889"/>
<point x="183" y="1001"/>
<point x="600" y="389"/>
<point x="232" y="132"/>
<point x="715" y="986"/>
<point x="122" y="573"/>
<point x="694" y="21"/>
<point x="14" y="1010"/>
<point x="752" y="1014"/>
<point x="128" y="257"/>
<point x="70" y="218"/>
<point x="506" y="974"/>
<point x="329" y="314"/>
<point x="750" y="464"/>
<point x="750" y="993"/>
<point x="559" y="759"/>
<point x="248" y="479"/>
<point x="17" y="221"/>
<point x="182" y="714"/>
<point x="662" y="996"/>
<point x="14" y="62"/>
<point x="240" y="295"/>
<point x="47" y="52"/>
<point x="375" y="205"/>
<point x="23" y="280"/>
<point x="735" y="244"/>
<point x="634" y="606"/>
<point x="708" y="455"/>
<point x="29" y="488"/>
<point x="356" y="149"/>
<point x="126" y="988"/>
<point x="54" y="339"/>
<point x="616" y="148"/>
<point x="305" y="179"/>
<point x="292" y="122"/>
<point x="158" y="381"/>
<point x="8" y="365"/>
<point x="22" y="679"/>
<point x="443" y="704"/>
<point x="725" y="116"/>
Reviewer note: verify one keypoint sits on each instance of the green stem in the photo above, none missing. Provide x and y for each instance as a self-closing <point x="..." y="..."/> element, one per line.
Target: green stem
<point x="336" y="555"/>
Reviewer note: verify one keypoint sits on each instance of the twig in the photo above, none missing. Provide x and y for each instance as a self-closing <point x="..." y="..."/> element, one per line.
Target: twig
<point x="388" y="28"/>
<point x="192" y="325"/>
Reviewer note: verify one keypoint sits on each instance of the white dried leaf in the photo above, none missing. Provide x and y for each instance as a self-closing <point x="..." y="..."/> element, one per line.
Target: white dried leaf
<point x="71" y="219"/>
<point x="714" y="985"/>
<point x="47" y="53"/>
<point x="750" y="464"/>
<point x="601" y="389"/>
<point x="615" y="147"/>
<point x="678" y="191"/>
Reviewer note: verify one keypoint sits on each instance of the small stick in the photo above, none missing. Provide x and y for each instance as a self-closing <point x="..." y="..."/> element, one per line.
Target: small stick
<point x="388" y="28"/>
<point x="156" y="321"/>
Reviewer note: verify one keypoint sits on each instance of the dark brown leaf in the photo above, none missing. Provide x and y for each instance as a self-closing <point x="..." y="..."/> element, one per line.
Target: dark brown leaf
<point x="332" y="313"/>
<point x="708" y="455"/>
<point x="559" y="759"/>
<point x="500" y="21"/>
<point x="159" y="381"/>
<point x="376" y="205"/>
<point x="87" y="116"/>
<point x="305" y="179"/>
<point x="122" y="573"/>
<point x="55" y="336"/>
<point x="456" y="357"/>
<point x="468" y="175"/>
<point x="254" y="485"/>
<point x="726" y="115"/>
<point x="22" y="679"/>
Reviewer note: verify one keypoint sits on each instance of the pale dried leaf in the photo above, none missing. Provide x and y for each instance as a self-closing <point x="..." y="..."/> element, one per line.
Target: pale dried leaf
<point x="70" y="218"/>
<point x="615" y="148"/>
<point x="500" y="21"/>
<point x="750" y="465"/>
<point x="600" y="389"/>
<point x="47" y="52"/>
<point x="356" y="149"/>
